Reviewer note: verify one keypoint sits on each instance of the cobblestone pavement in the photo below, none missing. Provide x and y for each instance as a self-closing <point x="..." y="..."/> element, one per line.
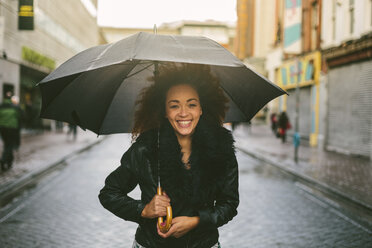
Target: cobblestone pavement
<point x="40" y="150"/>
<point x="351" y="176"/>
<point x="64" y="211"/>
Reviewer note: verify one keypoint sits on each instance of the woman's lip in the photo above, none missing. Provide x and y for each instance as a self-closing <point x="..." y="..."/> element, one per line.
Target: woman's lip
<point x="184" y="123"/>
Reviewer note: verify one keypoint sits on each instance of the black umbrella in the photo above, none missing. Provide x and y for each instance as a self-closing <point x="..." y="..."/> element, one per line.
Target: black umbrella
<point x="97" y="88"/>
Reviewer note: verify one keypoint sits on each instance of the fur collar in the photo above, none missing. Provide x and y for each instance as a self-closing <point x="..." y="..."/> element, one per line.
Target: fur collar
<point x="212" y="147"/>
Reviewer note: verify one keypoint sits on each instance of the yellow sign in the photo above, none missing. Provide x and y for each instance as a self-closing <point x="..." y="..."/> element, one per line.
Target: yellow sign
<point x="304" y="70"/>
<point x="26" y="15"/>
<point x="26" y="10"/>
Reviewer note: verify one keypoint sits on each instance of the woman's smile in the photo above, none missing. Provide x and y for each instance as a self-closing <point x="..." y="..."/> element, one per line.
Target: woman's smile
<point x="184" y="124"/>
<point x="183" y="109"/>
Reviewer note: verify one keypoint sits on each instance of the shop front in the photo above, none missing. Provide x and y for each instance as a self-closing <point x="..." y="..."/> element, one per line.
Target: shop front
<point x="302" y="72"/>
<point x="30" y="97"/>
<point x="350" y="109"/>
<point x="35" y="67"/>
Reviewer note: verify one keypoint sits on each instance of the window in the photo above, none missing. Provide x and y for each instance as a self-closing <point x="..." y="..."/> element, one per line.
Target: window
<point x="334" y="6"/>
<point x="352" y="13"/>
<point x="314" y="25"/>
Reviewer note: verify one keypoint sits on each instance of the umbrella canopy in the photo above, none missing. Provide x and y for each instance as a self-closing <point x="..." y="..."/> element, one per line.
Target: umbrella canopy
<point x="97" y="88"/>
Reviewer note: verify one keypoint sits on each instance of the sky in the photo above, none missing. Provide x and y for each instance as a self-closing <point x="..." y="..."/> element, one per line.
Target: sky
<point x="146" y="13"/>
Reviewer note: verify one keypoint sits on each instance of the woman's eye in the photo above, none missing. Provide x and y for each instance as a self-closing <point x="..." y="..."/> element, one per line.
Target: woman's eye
<point x="173" y="106"/>
<point x="192" y="105"/>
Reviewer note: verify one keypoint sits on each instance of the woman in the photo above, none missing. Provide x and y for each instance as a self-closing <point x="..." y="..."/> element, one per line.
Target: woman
<point x="179" y="140"/>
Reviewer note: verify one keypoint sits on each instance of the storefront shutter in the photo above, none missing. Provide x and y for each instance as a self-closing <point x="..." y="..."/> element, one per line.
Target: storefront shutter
<point x="350" y="109"/>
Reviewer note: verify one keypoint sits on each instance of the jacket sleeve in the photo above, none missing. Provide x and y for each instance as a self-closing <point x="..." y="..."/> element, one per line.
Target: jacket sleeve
<point x="227" y="200"/>
<point x="113" y="196"/>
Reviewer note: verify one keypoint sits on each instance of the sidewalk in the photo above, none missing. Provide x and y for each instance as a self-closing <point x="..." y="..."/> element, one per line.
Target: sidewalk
<point x="350" y="177"/>
<point x="41" y="151"/>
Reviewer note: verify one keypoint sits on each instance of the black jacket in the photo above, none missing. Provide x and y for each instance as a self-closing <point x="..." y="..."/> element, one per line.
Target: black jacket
<point x="208" y="190"/>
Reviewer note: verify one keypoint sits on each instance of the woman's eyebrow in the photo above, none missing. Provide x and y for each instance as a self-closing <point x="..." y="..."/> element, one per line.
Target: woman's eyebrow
<point x="189" y="100"/>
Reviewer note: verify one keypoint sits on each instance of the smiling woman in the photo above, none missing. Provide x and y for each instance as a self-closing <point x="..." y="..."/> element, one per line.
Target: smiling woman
<point x="181" y="143"/>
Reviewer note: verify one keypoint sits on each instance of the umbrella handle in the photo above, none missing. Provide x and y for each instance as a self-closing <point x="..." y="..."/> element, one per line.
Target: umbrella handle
<point x="164" y="226"/>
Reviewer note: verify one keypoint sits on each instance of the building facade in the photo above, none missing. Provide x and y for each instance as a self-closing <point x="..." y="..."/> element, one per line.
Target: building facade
<point x="347" y="53"/>
<point x="223" y="33"/>
<point x="255" y="37"/>
<point x="323" y="49"/>
<point x="255" y="32"/>
<point x="60" y="30"/>
<point x="281" y="40"/>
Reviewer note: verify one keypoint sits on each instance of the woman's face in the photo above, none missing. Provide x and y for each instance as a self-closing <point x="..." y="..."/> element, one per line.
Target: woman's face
<point x="183" y="110"/>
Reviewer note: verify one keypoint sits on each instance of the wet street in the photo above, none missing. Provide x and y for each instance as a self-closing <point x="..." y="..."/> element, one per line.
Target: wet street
<point x="63" y="210"/>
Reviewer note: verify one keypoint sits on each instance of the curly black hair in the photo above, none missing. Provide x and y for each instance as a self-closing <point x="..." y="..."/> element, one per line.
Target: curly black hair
<point x="150" y="104"/>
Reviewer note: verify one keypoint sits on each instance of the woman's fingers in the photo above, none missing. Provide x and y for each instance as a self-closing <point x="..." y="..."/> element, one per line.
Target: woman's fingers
<point x="165" y="194"/>
<point x="161" y="198"/>
<point x="159" y="232"/>
<point x="157" y="207"/>
<point x="160" y="204"/>
<point x="167" y="234"/>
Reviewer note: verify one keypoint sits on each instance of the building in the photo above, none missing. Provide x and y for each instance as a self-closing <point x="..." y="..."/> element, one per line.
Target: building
<point x="280" y="40"/>
<point x="322" y="49"/>
<point x="35" y="38"/>
<point x="255" y="33"/>
<point x="223" y="33"/>
<point x="300" y="25"/>
<point x="255" y="37"/>
<point x="347" y="53"/>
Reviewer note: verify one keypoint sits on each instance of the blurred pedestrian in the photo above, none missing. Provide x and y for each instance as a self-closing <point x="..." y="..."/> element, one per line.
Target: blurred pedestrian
<point x="181" y="143"/>
<point x="15" y="102"/>
<point x="274" y="123"/>
<point x="9" y="123"/>
<point x="72" y="129"/>
<point x="283" y="125"/>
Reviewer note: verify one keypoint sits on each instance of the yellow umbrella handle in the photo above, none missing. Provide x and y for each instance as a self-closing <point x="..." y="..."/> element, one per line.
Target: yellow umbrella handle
<point x="164" y="226"/>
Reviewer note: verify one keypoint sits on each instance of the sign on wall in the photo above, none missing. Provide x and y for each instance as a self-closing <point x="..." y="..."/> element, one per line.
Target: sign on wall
<point x="26" y="15"/>
<point x="37" y="58"/>
<point x="304" y="70"/>
<point x="292" y="26"/>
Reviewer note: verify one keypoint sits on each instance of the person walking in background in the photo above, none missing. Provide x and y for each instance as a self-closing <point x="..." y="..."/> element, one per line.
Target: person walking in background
<point x="15" y="102"/>
<point x="283" y="125"/>
<point x="274" y="123"/>
<point x="9" y="123"/>
<point x="72" y="129"/>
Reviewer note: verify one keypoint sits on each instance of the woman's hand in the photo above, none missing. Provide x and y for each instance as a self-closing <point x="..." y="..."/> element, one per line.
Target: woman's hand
<point x="157" y="207"/>
<point x="180" y="226"/>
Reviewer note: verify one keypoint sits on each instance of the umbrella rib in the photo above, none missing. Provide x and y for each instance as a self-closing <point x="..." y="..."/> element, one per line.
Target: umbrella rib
<point x="139" y="70"/>
<point x="91" y="66"/>
<point x="104" y="117"/>
<point x="54" y="98"/>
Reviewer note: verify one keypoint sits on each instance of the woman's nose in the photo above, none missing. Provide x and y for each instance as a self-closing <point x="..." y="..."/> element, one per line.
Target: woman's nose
<point x="183" y="111"/>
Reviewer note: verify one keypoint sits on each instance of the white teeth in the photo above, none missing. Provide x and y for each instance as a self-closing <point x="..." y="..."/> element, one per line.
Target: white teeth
<point x="184" y="122"/>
